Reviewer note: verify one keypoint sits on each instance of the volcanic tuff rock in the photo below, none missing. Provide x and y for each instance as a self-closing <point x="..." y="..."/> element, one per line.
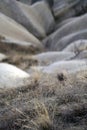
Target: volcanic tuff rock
<point x="82" y="55"/>
<point x="77" y="46"/>
<point x="12" y="77"/>
<point x="27" y="16"/>
<point x="67" y="8"/>
<point x="45" y="14"/>
<point x="67" y="40"/>
<point x="12" y="9"/>
<point x="2" y="57"/>
<point x="75" y="26"/>
<point x="12" y="32"/>
<point x="70" y="67"/>
<point x="47" y="58"/>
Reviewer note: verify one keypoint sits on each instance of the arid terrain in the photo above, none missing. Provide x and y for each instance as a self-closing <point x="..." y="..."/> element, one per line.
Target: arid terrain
<point x="43" y="65"/>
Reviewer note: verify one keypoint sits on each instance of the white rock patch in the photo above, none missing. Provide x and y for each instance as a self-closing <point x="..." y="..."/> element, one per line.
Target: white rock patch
<point x="12" y="77"/>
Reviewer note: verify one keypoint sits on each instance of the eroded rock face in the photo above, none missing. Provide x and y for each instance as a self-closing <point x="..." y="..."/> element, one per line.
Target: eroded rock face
<point x="67" y="40"/>
<point x="15" y="30"/>
<point x="69" y="66"/>
<point x="12" y="77"/>
<point x="13" y="33"/>
<point x="82" y="55"/>
<point x="12" y="9"/>
<point x="35" y="22"/>
<point x="27" y="16"/>
<point x="62" y="23"/>
<point x="75" y="26"/>
<point x="67" y="8"/>
<point x="25" y="1"/>
<point x="2" y="57"/>
<point x="50" y="2"/>
<point x="77" y="46"/>
<point x="51" y="57"/>
<point x="44" y="12"/>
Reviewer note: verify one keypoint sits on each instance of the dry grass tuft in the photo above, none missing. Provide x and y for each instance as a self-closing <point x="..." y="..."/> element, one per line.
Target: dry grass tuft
<point x="40" y="122"/>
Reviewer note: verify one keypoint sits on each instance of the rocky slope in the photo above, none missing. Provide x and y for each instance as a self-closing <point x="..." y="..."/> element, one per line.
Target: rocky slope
<point x="43" y="65"/>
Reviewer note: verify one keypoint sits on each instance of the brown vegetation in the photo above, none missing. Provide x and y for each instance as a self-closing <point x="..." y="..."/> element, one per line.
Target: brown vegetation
<point x="48" y="104"/>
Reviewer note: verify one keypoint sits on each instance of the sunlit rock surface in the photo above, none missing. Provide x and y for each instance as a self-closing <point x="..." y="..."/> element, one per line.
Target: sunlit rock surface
<point x="77" y="46"/>
<point x="2" y="57"/>
<point x="12" y="32"/>
<point x="69" y="67"/>
<point x="12" y="77"/>
<point x="73" y="66"/>
<point x="12" y="9"/>
<point x="28" y="17"/>
<point x="45" y="14"/>
<point x="47" y="58"/>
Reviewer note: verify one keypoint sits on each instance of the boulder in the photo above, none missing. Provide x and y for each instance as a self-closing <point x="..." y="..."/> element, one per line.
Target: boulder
<point x="77" y="46"/>
<point x="2" y="57"/>
<point x="24" y="15"/>
<point x="64" y="9"/>
<point x="69" y="67"/>
<point x="48" y="58"/>
<point x="44" y="12"/>
<point x="12" y="77"/>
<point x="35" y="20"/>
<point x="14" y="33"/>
<point x="62" y="23"/>
<point x="50" y="2"/>
<point x="82" y="55"/>
<point x="25" y="1"/>
<point x="75" y="26"/>
<point x="67" y="40"/>
<point x="72" y="66"/>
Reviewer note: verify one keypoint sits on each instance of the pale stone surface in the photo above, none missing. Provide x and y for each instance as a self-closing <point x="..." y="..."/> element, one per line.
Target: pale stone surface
<point x="12" y="77"/>
<point x="75" y="26"/>
<point x="62" y="23"/>
<point x="47" y="58"/>
<point x="45" y="14"/>
<point x="67" y="8"/>
<point x="82" y="55"/>
<point x="77" y="46"/>
<point x="35" y="25"/>
<point x="72" y="66"/>
<point x="12" y="32"/>
<point x="37" y="18"/>
<point x="19" y="13"/>
<point x="67" y="40"/>
<point x="2" y="57"/>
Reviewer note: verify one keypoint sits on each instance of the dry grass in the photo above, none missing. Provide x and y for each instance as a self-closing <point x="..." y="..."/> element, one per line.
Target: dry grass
<point x="40" y="121"/>
<point x="48" y="104"/>
<point x="19" y="56"/>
